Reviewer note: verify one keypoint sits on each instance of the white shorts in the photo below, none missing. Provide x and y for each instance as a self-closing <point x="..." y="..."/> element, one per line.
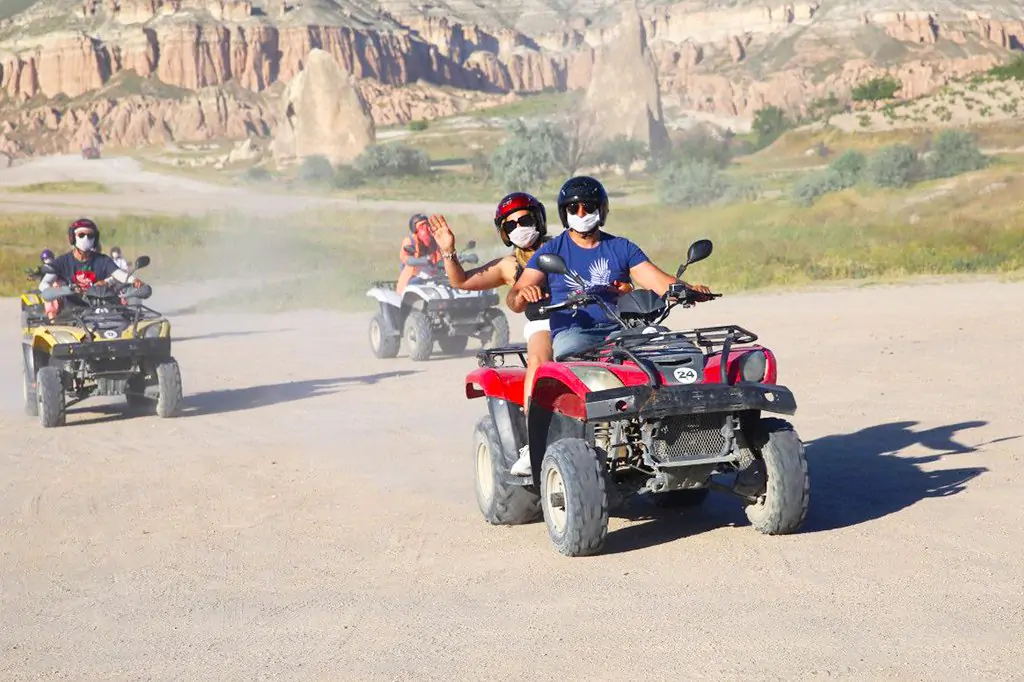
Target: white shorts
<point x="534" y="326"/>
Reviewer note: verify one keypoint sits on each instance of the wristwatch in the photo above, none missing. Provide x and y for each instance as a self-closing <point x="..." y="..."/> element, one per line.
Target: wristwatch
<point x="452" y="255"/>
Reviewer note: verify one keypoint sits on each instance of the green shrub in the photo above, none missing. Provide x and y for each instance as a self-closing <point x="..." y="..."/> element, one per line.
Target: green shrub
<point x="392" y="160"/>
<point x="347" y="177"/>
<point x="769" y="124"/>
<point x="621" y="152"/>
<point x="850" y="167"/>
<point x="894" y="166"/>
<point x="955" y="152"/>
<point x="812" y="186"/>
<point x="418" y="125"/>
<point x="1012" y="71"/>
<point x="692" y="183"/>
<point x="880" y="88"/>
<point x="315" y="168"/>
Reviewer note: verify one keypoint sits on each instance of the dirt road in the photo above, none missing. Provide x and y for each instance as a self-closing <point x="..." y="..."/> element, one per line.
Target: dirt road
<point x="311" y="516"/>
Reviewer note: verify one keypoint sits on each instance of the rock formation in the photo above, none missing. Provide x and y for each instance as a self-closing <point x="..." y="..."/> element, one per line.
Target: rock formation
<point x="412" y="61"/>
<point x="623" y="96"/>
<point x="324" y="113"/>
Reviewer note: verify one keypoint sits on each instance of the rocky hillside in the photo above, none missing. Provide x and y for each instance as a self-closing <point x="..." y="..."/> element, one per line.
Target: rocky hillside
<point x="139" y="71"/>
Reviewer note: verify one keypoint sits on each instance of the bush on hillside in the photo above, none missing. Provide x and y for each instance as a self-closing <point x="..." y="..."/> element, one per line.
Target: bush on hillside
<point x="955" y="152"/>
<point x="392" y="160"/>
<point x="894" y="166"/>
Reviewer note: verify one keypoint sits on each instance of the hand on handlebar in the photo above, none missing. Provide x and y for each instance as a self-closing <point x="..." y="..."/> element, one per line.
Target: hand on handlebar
<point x="690" y="293"/>
<point x="531" y="294"/>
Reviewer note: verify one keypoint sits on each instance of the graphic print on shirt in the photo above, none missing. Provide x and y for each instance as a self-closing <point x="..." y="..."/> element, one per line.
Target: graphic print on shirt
<point x="599" y="276"/>
<point x="85" y="278"/>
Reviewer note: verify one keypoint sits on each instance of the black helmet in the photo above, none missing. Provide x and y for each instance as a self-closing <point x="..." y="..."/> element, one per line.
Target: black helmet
<point x="586" y="189"/>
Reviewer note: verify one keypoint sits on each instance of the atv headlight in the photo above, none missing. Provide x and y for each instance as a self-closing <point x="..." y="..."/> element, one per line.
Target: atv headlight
<point x="151" y="331"/>
<point x="61" y="336"/>
<point x="753" y="366"/>
<point x="596" y="378"/>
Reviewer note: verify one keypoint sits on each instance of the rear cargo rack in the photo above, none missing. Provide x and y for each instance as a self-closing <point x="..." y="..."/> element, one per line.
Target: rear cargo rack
<point x="495" y="357"/>
<point x="384" y="284"/>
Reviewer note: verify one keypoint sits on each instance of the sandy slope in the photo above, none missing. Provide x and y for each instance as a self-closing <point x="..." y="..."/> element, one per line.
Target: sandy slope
<point x="311" y="516"/>
<point x="135" y="190"/>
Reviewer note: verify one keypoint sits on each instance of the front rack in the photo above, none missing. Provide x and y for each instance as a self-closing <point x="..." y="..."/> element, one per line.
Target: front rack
<point x="495" y="357"/>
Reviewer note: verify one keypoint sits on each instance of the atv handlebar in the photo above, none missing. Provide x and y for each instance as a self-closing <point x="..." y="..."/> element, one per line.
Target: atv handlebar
<point x="678" y="294"/>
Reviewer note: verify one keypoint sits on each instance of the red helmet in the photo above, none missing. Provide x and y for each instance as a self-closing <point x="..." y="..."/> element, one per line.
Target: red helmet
<point x="86" y="223"/>
<point x="520" y="201"/>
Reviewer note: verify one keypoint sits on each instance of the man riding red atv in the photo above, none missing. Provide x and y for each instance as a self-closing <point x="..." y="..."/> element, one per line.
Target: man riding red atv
<point x="641" y="410"/>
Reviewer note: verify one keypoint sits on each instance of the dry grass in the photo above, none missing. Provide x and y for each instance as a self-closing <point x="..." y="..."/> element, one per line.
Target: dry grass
<point x="964" y="225"/>
<point x="69" y="187"/>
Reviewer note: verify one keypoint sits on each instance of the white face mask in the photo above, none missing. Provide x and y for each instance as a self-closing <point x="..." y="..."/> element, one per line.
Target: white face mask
<point x="585" y="224"/>
<point x="85" y="243"/>
<point x="523" y="237"/>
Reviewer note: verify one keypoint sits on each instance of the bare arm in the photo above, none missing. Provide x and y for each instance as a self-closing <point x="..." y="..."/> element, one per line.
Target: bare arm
<point x="650" y="276"/>
<point x="488" y="276"/>
<point x="526" y="290"/>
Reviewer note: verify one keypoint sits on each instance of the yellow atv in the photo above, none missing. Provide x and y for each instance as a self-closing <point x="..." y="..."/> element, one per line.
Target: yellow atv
<point x="103" y="342"/>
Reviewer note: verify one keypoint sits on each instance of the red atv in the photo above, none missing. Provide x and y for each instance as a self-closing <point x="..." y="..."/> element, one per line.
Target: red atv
<point x="648" y="412"/>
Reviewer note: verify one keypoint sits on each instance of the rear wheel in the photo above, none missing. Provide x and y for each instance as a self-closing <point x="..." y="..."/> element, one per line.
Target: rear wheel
<point x="497" y="333"/>
<point x="453" y="345"/>
<point x="382" y="344"/>
<point x="785" y="494"/>
<point x="168" y="377"/>
<point x="500" y="502"/>
<point x="135" y="394"/>
<point x="418" y="335"/>
<point x="50" y="391"/>
<point x="573" y="496"/>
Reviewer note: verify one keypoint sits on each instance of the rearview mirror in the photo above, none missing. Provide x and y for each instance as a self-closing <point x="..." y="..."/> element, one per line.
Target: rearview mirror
<point x="141" y="262"/>
<point x="699" y="250"/>
<point x="471" y="244"/>
<point x="551" y="264"/>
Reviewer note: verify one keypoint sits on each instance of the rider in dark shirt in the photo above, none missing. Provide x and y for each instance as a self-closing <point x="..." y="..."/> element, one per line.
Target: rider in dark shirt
<point x="84" y="265"/>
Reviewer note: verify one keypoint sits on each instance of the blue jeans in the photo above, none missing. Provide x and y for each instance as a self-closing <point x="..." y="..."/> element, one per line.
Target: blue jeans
<point x="574" y="339"/>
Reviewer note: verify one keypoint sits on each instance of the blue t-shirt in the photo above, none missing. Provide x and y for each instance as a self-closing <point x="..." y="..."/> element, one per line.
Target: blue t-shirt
<point x="598" y="267"/>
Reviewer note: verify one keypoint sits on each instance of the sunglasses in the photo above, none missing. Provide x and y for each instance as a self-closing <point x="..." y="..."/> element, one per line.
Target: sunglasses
<point x="524" y="221"/>
<point x="588" y="207"/>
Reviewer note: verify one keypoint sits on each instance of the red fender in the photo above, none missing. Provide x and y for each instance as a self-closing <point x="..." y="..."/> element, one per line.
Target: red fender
<point x="505" y="383"/>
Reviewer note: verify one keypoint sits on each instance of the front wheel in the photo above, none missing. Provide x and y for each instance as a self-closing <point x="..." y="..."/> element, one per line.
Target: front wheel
<point x="28" y="391"/>
<point x="573" y="496"/>
<point x="418" y="335"/>
<point x="50" y="392"/>
<point x="500" y="502"/>
<point x="382" y="344"/>
<point x="497" y="334"/>
<point x="785" y="493"/>
<point x="168" y="378"/>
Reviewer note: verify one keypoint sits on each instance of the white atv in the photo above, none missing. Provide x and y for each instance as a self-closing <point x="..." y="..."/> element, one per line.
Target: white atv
<point x="431" y="309"/>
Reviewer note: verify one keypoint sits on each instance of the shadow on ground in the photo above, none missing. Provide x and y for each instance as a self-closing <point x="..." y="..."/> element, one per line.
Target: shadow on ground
<point x="236" y="399"/>
<point x="218" y="335"/>
<point x="855" y="478"/>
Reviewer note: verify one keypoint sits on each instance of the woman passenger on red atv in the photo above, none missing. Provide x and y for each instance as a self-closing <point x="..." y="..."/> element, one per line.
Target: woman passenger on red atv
<point x="419" y="244"/>
<point x="521" y="221"/>
<point x="606" y="263"/>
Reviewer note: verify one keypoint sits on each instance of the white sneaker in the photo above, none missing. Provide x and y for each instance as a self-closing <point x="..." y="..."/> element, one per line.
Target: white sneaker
<point x="522" y="465"/>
